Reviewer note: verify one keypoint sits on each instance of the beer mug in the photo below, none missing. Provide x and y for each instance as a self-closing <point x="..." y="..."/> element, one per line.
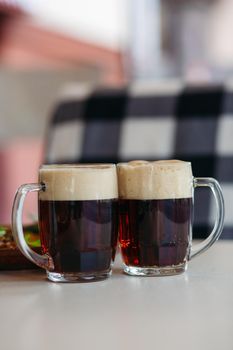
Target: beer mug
<point x="156" y="214"/>
<point x="78" y="221"/>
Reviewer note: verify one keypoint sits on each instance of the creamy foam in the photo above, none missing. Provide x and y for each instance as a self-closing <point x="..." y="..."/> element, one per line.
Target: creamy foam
<point x="165" y="179"/>
<point x="78" y="182"/>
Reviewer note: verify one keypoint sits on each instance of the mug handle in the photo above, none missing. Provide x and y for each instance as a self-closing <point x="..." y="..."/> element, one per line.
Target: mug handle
<point x="219" y="221"/>
<point x="45" y="261"/>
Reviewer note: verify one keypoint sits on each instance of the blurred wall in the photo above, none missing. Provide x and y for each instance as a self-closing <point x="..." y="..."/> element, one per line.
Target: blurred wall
<point x="27" y="98"/>
<point x="102" y="22"/>
<point x="38" y="57"/>
<point x="19" y="161"/>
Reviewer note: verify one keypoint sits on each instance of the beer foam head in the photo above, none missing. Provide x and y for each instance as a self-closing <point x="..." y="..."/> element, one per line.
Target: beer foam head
<point x="78" y="182"/>
<point x="165" y="179"/>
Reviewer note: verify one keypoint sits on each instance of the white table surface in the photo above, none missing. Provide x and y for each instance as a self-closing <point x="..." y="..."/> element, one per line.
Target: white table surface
<point x="189" y="311"/>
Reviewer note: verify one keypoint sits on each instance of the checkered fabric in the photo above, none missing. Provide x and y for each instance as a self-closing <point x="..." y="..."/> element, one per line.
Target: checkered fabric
<point x="152" y="122"/>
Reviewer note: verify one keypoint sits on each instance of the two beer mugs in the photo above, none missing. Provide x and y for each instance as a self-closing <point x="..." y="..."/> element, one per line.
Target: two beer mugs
<point x="83" y="207"/>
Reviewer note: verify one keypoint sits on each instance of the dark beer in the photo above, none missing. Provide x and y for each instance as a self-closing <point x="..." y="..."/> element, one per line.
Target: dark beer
<point x="78" y="217"/>
<point x="155" y="211"/>
<point x="80" y="236"/>
<point x="155" y="232"/>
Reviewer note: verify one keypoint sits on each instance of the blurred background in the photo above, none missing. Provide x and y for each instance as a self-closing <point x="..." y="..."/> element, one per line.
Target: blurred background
<point x="45" y="45"/>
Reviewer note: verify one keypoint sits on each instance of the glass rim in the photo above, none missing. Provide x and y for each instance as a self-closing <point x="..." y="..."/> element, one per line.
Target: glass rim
<point x="140" y="163"/>
<point x="95" y="166"/>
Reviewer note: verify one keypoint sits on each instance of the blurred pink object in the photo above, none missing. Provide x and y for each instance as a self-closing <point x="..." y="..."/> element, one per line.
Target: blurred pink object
<point x="19" y="163"/>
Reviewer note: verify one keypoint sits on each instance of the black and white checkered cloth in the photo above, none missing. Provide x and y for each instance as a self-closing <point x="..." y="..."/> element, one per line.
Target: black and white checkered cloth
<point x="152" y="122"/>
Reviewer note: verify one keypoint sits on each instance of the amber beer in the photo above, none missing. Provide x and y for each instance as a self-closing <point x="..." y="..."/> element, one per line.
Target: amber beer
<point x="78" y="215"/>
<point x="155" y="209"/>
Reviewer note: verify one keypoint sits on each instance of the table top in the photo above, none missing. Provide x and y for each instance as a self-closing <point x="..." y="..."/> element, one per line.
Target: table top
<point x="193" y="310"/>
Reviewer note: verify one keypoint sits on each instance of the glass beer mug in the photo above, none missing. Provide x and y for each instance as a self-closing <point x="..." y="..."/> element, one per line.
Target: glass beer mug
<point x="156" y="212"/>
<point x="78" y="221"/>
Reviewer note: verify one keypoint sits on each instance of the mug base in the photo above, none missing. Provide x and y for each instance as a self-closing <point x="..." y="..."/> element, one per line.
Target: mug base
<point x="148" y="271"/>
<point x="72" y="277"/>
